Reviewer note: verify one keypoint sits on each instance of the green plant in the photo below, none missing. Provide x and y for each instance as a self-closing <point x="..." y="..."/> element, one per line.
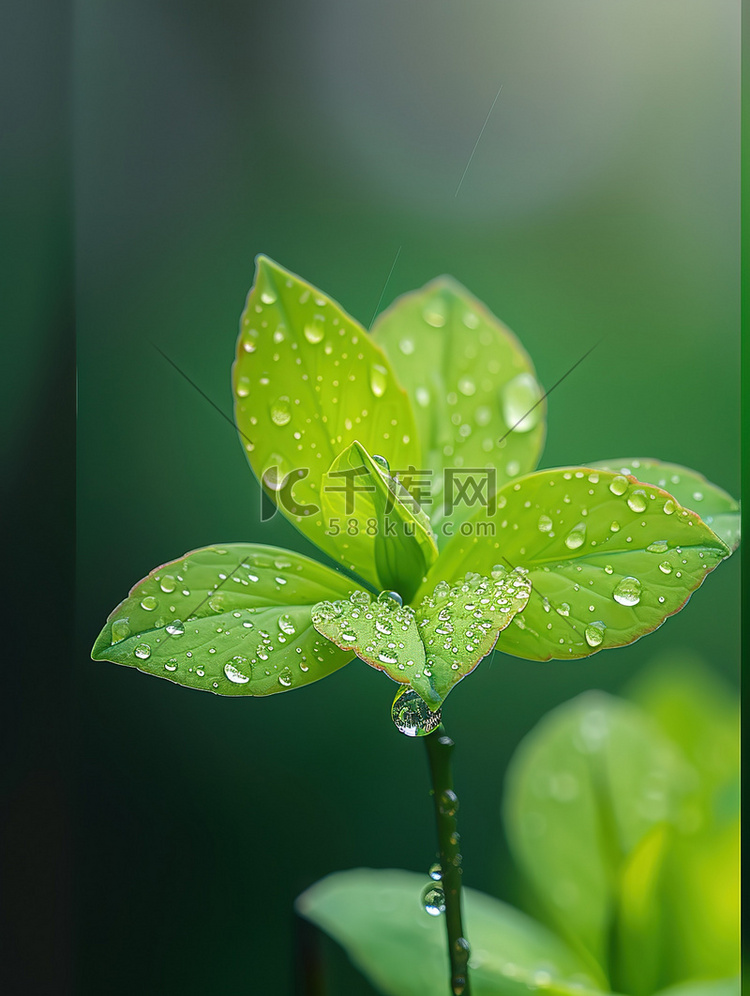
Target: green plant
<point x="407" y="456"/>
<point x="623" y="817"/>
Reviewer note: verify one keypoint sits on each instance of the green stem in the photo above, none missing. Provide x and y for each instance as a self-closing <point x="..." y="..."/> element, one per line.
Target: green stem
<point x="439" y="750"/>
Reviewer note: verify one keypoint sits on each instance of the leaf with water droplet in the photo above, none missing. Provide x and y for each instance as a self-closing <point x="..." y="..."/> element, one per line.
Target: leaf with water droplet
<point x="719" y="510"/>
<point x="389" y="538"/>
<point x="576" y="566"/>
<point x="237" y="630"/>
<point x="312" y="382"/>
<point x="434" y="645"/>
<point x="376" y="915"/>
<point x="585" y="788"/>
<point x="472" y="384"/>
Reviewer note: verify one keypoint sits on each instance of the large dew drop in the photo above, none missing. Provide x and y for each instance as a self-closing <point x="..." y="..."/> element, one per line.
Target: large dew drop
<point x="281" y="411"/>
<point x="519" y="400"/>
<point x="576" y="537"/>
<point x="411" y="714"/>
<point x="120" y="630"/>
<point x="594" y="634"/>
<point x="628" y="591"/>
<point x="378" y="380"/>
<point x="433" y="900"/>
<point x="233" y="672"/>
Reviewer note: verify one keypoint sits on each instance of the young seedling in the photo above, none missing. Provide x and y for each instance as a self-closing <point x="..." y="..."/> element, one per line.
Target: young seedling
<point x="407" y="455"/>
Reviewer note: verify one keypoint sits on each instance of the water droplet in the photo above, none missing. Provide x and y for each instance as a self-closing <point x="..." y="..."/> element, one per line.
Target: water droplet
<point x="176" y="628"/>
<point x="433" y="900"/>
<point x="273" y="476"/>
<point x="627" y="591"/>
<point x="381" y="462"/>
<point x="618" y="485"/>
<point x="665" y="567"/>
<point x="406" y="346"/>
<point x="615" y="527"/>
<point x="286" y="625"/>
<point x="576" y="537"/>
<point x="243" y="387"/>
<point x="434" y="313"/>
<point x="512" y="468"/>
<point x="314" y="333"/>
<point x="519" y="401"/>
<point x="120" y="630"/>
<point x="281" y="411"/>
<point x="670" y="506"/>
<point x="467" y="387"/>
<point x="233" y="672"/>
<point x="423" y="397"/>
<point x="411" y="714"/>
<point x="378" y="380"/>
<point x="448" y="803"/>
<point x="594" y="633"/>
<point x="149" y="603"/>
<point x="697" y="496"/>
<point x="390" y="597"/>
<point x="545" y="524"/>
<point x="171" y="664"/>
<point x="637" y="500"/>
<point x="285" y="677"/>
<point x="167" y="583"/>
<point x="142" y="651"/>
<point x="435" y="872"/>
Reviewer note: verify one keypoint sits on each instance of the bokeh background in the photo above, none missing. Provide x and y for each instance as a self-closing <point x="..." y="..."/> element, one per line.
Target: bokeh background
<point x="602" y="201"/>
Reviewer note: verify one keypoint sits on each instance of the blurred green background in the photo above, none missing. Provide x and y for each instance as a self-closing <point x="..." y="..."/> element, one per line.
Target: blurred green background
<point x="602" y="200"/>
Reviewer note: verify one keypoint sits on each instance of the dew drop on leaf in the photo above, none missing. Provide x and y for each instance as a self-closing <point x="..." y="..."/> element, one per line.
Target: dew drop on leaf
<point x="381" y="462"/>
<point x="576" y="537"/>
<point x="467" y="387"/>
<point x="434" y="313"/>
<point x="637" y="500"/>
<point x="285" y="677"/>
<point x="378" y="380"/>
<point x="281" y="411"/>
<point x="314" y="333"/>
<point x="627" y="591"/>
<point x="142" y="651"/>
<point x="670" y="506"/>
<point x="545" y="524"/>
<point x="658" y="546"/>
<point x="665" y="567"/>
<point x="286" y="624"/>
<point x="406" y="346"/>
<point x="149" y="603"/>
<point x="519" y="401"/>
<point x="233" y="672"/>
<point x="176" y="628"/>
<point x="594" y="634"/>
<point x="423" y="397"/>
<point x="120" y="630"/>
<point x="618" y="485"/>
<point x="167" y="583"/>
<point x="170" y="665"/>
<point x="390" y="596"/>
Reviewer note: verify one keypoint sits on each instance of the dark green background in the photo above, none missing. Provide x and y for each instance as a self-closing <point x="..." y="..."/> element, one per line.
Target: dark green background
<point x="602" y="201"/>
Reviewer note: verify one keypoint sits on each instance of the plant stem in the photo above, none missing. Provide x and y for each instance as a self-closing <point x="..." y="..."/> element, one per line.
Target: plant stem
<point x="439" y="749"/>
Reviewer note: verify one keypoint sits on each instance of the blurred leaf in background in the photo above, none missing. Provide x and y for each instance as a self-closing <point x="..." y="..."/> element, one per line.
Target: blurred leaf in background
<point x="623" y="817"/>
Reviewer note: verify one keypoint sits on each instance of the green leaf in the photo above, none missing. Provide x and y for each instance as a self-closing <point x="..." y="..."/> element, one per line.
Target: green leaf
<point x="583" y="791"/>
<point x="609" y="558"/>
<point x="234" y="620"/>
<point x="717" y="508"/>
<point x="435" y="645"/>
<point x="377" y="916"/>
<point x="473" y="387"/>
<point x="704" y="987"/>
<point x="308" y="381"/>
<point x="386" y="535"/>
<point x="699" y="891"/>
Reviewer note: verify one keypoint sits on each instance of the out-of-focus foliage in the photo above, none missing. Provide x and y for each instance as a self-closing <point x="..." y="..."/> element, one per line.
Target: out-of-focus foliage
<point x="622" y="816"/>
